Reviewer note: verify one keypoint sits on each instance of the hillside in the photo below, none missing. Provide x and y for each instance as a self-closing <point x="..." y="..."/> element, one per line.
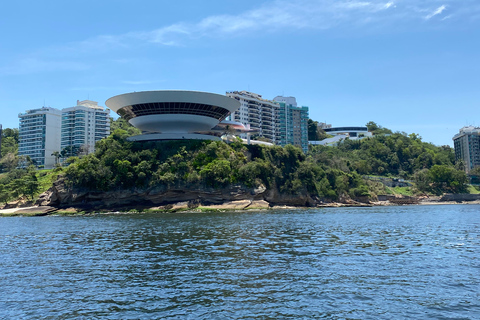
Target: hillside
<point x="210" y="171"/>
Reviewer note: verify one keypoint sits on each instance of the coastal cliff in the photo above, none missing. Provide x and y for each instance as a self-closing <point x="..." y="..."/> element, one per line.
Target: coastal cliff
<point x="62" y="196"/>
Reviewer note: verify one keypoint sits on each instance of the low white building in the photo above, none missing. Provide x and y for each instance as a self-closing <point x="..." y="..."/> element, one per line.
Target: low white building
<point x="341" y="133"/>
<point x="39" y="135"/>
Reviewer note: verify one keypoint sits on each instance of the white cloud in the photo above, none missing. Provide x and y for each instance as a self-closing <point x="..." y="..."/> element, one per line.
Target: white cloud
<point x="35" y="65"/>
<point x="272" y="16"/>
<point x="142" y="82"/>
<point x="438" y="11"/>
<point x="269" y="17"/>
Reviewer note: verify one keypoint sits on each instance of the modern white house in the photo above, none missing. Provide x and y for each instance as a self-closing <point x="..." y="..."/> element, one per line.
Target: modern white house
<point x="83" y="125"/>
<point x="173" y="114"/>
<point x="39" y="135"/>
<point x="341" y="133"/>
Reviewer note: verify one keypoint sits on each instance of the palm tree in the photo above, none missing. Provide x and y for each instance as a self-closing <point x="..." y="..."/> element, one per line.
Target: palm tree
<point x="56" y="154"/>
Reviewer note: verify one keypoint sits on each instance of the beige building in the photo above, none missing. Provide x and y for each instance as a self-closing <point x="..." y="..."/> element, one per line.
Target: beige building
<point x="256" y="113"/>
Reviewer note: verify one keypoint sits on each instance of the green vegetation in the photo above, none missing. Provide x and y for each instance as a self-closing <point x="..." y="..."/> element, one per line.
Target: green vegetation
<point x="430" y="167"/>
<point x="323" y="173"/>
<point x="314" y="132"/>
<point x="120" y="164"/>
<point x="26" y="183"/>
<point x="405" y="191"/>
<point x="9" y="141"/>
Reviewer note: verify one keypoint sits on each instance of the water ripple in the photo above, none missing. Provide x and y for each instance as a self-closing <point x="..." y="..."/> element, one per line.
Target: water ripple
<point x="345" y="263"/>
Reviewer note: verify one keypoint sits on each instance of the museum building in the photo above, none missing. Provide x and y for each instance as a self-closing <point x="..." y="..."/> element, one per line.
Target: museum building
<point x="173" y="114"/>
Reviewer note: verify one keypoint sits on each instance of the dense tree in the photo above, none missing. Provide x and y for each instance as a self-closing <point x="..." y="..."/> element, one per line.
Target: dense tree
<point x="441" y="179"/>
<point x="314" y="132"/>
<point x="9" y="142"/>
<point x="121" y="123"/>
<point x="325" y="172"/>
<point x="376" y="129"/>
<point x="395" y="154"/>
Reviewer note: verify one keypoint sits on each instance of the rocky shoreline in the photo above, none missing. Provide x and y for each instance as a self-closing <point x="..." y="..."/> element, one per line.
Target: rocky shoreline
<point x="62" y="200"/>
<point x="185" y="207"/>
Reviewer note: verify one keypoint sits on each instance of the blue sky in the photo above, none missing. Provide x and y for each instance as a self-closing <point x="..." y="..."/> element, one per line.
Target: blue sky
<point x="409" y="65"/>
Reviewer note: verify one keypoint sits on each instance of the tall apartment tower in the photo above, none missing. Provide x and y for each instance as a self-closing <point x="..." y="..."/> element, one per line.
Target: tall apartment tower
<point x="258" y="113"/>
<point x="84" y="125"/>
<point x="39" y="135"/>
<point x="467" y="147"/>
<point x="292" y="123"/>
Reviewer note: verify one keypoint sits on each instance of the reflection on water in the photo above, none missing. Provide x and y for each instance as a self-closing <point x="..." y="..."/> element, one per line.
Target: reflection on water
<point x="417" y="262"/>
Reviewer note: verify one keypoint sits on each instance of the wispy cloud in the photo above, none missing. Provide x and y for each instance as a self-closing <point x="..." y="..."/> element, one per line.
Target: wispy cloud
<point x="268" y="18"/>
<point x="294" y="15"/>
<point x="438" y="11"/>
<point x="141" y="82"/>
<point x="29" y="65"/>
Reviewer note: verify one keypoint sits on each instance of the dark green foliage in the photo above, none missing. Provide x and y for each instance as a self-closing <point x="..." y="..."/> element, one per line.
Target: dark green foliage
<point x="326" y="172"/>
<point x="119" y="164"/>
<point x="8" y="157"/>
<point x="314" y="132"/>
<point x="441" y="179"/>
<point x="121" y="123"/>
<point x="19" y="182"/>
<point x="395" y="154"/>
<point x="9" y="141"/>
<point x="376" y="129"/>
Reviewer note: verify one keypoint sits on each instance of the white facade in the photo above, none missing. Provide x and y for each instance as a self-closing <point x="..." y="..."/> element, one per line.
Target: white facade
<point x="341" y="133"/>
<point x="287" y="100"/>
<point x="467" y="147"/>
<point x="39" y="135"/>
<point x="172" y="114"/>
<point x="84" y="125"/>
<point x="260" y="114"/>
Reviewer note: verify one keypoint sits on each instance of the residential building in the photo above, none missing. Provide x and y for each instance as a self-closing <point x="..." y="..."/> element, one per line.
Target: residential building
<point x="324" y="125"/>
<point x="467" y="147"/>
<point x="82" y="126"/>
<point x="292" y="123"/>
<point x="256" y="113"/>
<point x="39" y="135"/>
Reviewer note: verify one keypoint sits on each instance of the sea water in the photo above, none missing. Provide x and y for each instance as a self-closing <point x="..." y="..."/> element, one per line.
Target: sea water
<point x="411" y="262"/>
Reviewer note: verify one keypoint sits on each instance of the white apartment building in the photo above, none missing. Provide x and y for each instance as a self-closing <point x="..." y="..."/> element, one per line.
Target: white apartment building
<point x="39" y="135"/>
<point x="467" y="147"/>
<point x="257" y="113"/>
<point x="292" y="123"/>
<point x="84" y="125"/>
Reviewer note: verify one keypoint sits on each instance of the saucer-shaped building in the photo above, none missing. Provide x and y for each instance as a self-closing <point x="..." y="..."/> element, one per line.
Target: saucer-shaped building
<point x="173" y="114"/>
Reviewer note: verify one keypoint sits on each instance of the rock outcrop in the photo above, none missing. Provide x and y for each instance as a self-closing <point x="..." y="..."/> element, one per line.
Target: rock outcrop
<point x="239" y="196"/>
<point x="234" y="197"/>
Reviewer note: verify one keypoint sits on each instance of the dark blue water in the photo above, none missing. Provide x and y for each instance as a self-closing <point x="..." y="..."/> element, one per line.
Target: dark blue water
<point x="415" y="262"/>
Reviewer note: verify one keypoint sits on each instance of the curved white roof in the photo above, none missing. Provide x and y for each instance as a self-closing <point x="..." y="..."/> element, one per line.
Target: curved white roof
<point x="173" y="111"/>
<point x="127" y="99"/>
